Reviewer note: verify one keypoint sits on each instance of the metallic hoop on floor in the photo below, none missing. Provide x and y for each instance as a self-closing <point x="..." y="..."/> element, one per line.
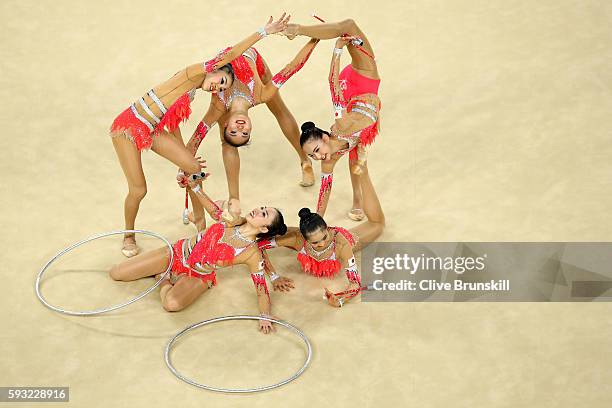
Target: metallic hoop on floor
<point x="194" y="326"/>
<point x="110" y="308"/>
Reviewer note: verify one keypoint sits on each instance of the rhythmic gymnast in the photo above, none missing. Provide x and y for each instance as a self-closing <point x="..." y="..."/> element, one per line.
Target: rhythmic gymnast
<point x="153" y="122"/>
<point x="197" y="259"/>
<point x="323" y="251"/>
<point x="354" y="94"/>
<point x="254" y="85"/>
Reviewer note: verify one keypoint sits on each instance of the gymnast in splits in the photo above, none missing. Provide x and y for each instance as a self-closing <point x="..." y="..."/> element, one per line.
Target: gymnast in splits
<point x="254" y="85"/>
<point x="152" y="122"/>
<point x="197" y="259"/>
<point x="323" y="251"/>
<point x="354" y="93"/>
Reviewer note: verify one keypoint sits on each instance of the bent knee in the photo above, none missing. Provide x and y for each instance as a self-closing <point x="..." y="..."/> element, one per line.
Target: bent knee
<point x="172" y="304"/>
<point x="116" y="273"/>
<point x="349" y="26"/>
<point x="138" y="192"/>
<point x="378" y="227"/>
<point x="381" y="224"/>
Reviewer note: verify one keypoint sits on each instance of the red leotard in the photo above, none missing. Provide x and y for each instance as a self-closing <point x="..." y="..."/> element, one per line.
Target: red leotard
<point x="324" y="268"/>
<point x="208" y="252"/>
<point x="353" y="83"/>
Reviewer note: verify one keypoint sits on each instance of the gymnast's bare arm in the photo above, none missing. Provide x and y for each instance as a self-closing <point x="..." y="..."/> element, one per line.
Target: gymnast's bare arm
<point x="292" y="239"/>
<point x="252" y="258"/>
<point x="209" y="205"/>
<point x="279" y="283"/>
<point x="193" y="76"/>
<point x="345" y="255"/>
<point x="327" y="171"/>
<point x="213" y="114"/>
<point x="264" y="92"/>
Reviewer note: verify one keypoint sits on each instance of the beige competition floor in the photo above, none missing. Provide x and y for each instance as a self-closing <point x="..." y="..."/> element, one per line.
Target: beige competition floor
<point x="496" y="127"/>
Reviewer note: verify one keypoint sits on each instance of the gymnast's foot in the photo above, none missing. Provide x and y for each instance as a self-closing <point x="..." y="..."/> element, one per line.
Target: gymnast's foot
<point x="307" y="174"/>
<point x="130" y="248"/>
<point x="199" y="223"/>
<point x="356" y="214"/>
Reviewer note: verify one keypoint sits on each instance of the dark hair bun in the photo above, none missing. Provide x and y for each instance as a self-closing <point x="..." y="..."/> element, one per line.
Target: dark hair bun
<point x="304" y="212"/>
<point x="306" y="126"/>
<point x="282" y="230"/>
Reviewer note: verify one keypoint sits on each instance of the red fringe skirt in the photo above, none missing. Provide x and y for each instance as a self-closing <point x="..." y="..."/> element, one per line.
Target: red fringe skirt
<point x="140" y="134"/>
<point x="180" y="267"/>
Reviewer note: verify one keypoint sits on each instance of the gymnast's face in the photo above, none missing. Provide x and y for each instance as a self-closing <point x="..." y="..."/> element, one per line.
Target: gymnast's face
<point x="238" y="129"/>
<point x="261" y="217"/>
<point x="319" y="238"/>
<point x="318" y="149"/>
<point x="216" y="81"/>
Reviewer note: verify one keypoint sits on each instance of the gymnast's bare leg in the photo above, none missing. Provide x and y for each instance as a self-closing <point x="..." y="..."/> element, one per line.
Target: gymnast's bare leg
<point x="362" y="63"/>
<point x="289" y="127"/>
<point x="374" y="226"/>
<point x="173" y="297"/>
<point x="165" y="144"/>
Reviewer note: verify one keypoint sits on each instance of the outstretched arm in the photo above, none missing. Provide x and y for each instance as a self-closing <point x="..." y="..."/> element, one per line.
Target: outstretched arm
<point x="279" y="283"/>
<point x="289" y="240"/>
<point x="256" y="267"/>
<point x="292" y="239"/>
<point x="209" y="205"/>
<point x="231" y="163"/>
<point x="334" y="82"/>
<point x="271" y="88"/>
<point x="229" y="54"/>
<point x="352" y="274"/>
<point x="215" y="111"/>
<point x="327" y="177"/>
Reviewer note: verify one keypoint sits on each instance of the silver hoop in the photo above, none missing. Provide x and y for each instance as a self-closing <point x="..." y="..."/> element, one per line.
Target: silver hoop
<point x="237" y="390"/>
<point x="111" y="308"/>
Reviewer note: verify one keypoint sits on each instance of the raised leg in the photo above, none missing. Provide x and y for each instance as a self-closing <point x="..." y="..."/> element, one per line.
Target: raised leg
<point x="131" y="164"/>
<point x="166" y="145"/>
<point x="362" y="63"/>
<point x="197" y="214"/>
<point x="170" y="147"/>
<point x="374" y="226"/>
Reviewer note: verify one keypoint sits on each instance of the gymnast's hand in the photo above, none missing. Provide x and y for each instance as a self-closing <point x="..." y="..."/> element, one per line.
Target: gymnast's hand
<point x="278" y="25"/>
<point x="230" y="215"/>
<point x="345" y="39"/>
<point x="266" y="327"/>
<point x="291" y="31"/>
<point x="181" y="177"/>
<point x="283" y="284"/>
<point x="332" y="299"/>
<point x="194" y="183"/>
<point x="233" y="206"/>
